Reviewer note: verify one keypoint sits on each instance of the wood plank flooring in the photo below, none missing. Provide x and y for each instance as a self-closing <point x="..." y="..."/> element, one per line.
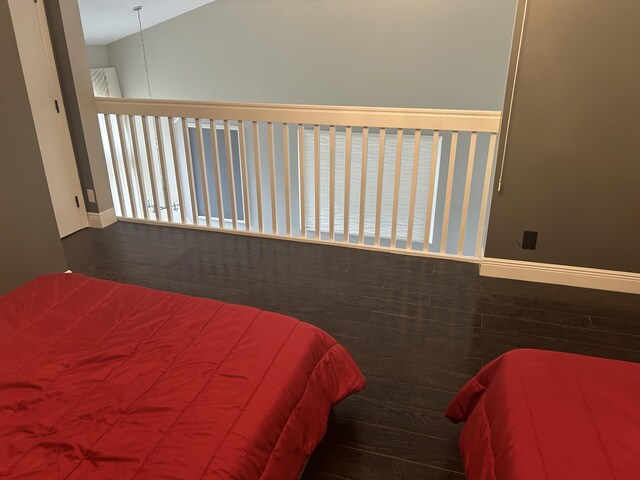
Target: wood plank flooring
<point x="418" y="328"/>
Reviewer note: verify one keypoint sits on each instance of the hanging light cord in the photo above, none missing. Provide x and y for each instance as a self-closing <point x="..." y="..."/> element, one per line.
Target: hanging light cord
<point x="144" y="50"/>
<point x="157" y="209"/>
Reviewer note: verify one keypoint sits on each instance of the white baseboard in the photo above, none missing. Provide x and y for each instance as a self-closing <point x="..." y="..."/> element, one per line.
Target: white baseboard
<point x="102" y="219"/>
<point x="612" y="280"/>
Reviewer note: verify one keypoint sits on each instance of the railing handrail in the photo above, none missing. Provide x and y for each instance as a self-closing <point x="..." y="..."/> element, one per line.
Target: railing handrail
<point x="377" y="117"/>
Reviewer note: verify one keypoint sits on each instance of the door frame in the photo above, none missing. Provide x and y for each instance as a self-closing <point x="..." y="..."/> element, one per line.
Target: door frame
<point x="58" y="102"/>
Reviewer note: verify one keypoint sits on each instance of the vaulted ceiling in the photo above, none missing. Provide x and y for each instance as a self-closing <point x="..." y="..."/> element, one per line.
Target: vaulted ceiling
<point x="105" y="21"/>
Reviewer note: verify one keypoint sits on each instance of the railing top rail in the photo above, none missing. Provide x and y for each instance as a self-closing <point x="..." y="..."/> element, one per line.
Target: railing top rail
<point x="409" y="118"/>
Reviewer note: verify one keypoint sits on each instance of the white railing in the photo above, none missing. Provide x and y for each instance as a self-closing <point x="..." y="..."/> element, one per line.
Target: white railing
<point x="403" y="180"/>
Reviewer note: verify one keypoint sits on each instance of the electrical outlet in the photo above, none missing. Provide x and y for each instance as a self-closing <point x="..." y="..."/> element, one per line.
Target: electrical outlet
<point x="529" y="240"/>
<point x="91" y="196"/>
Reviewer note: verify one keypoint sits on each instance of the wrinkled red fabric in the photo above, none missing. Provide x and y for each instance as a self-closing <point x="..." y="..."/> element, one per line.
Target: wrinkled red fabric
<point x="533" y="414"/>
<point x="111" y="381"/>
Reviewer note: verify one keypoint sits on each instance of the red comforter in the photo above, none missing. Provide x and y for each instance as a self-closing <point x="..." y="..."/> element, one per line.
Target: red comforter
<point x="534" y="415"/>
<point x="103" y="380"/>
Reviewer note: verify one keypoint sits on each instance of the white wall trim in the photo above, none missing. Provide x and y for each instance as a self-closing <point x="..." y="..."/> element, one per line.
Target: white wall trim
<point x="612" y="280"/>
<point x="102" y="219"/>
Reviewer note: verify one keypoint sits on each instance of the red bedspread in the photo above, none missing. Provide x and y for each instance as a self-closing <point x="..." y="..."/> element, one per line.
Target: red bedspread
<point x="534" y="415"/>
<point x="103" y="380"/>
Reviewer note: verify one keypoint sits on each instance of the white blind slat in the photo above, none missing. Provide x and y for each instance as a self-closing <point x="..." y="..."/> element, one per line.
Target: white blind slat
<point x="371" y="183"/>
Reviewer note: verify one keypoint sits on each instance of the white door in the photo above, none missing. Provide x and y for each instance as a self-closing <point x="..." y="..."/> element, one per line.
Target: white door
<point x="36" y="56"/>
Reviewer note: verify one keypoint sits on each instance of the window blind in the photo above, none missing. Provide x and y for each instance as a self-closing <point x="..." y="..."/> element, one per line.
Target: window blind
<point x="422" y="184"/>
<point x="105" y="82"/>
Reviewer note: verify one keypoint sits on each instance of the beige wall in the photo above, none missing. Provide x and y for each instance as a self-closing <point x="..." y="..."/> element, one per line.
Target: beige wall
<point x="97" y="56"/>
<point x="397" y="53"/>
<point x="29" y="241"/>
<point x="572" y="168"/>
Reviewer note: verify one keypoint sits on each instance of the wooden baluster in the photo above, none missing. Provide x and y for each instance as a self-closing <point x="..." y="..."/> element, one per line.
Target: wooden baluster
<point x="396" y="187"/>
<point x="151" y="166"/>
<point x="380" y="185"/>
<point x="301" y="171"/>
<point x="230" y="174"/>
<point x="414" y="184"/>
<point x="176" y="167"/>
<point x="363" y="183"/>
<point x="485" y="194"/>
<point x="256" y="158"/>
<point x="347" y="184"/>
<point x="433" y="167"/>
<point x="467" y="191"/>
<point x="138" y="167"/>
<point x="272" y="179"/>
<point x="448" y="192"/>
<point x="189" y="159"/>
<point x="217" y="176"/>
<point x="243" y="172"/>
<point x="114" y="164"/>
<point x="203" y="172"/>
<point x="163" y="169"/>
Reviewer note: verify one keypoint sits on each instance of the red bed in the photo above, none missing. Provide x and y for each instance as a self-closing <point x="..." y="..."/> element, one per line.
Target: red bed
<point x="534" y="415"/>
<point x="104" y="380"/>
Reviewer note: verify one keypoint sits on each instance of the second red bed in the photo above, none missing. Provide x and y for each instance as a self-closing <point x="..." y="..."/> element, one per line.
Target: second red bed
<point x="533" y="414"/>
<point x="104" y="380"/>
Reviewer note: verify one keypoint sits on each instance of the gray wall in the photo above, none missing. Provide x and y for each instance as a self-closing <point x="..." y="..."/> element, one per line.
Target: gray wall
<point x="398" y="53"/>
<point x="97" y="56"/>
<point x="65" y="28"/>
<point x="29" y="240"/>
<point x="572" y="160"/>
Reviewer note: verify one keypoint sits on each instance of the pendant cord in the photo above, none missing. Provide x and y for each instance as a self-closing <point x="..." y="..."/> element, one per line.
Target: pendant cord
<point x="157" y="209"/>
<point x="144" y="50"/>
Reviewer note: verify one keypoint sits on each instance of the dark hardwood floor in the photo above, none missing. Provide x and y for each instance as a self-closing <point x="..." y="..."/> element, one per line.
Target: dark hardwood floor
<point x="418" y="328"/>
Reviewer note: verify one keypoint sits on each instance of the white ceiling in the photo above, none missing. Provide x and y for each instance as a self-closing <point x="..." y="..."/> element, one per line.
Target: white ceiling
<point x="105" y="21"/>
